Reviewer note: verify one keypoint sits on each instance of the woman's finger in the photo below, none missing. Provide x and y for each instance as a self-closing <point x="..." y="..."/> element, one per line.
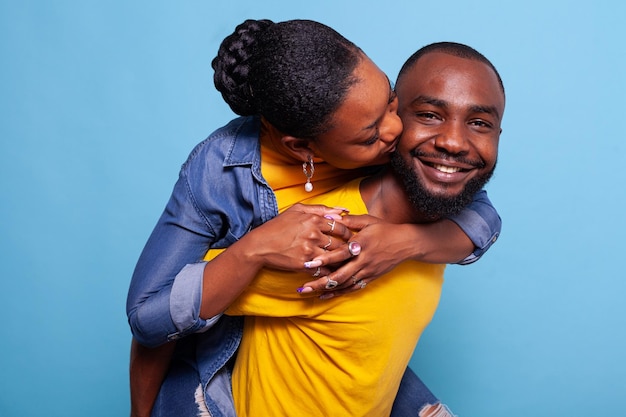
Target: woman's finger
<point x="320" y="210"/>
<point x="359" y="285"/>
<point x="336" y="228"/>
<point x="332" y="281"/>
<point x="331" y="257"/>
<point x="358" y="222"/>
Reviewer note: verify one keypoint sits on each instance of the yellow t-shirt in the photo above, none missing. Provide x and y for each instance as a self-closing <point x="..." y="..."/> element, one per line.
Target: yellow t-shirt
<point x="302" y="356"/>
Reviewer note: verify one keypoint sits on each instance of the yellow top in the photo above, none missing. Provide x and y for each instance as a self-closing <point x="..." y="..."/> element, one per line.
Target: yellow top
<point x="302" y="356"/>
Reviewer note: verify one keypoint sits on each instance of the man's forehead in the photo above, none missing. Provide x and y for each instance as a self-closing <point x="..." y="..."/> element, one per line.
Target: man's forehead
<point x="434" y="66"/>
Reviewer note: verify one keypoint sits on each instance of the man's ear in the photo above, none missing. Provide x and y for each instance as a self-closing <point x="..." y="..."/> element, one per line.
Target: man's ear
<point x="298" y="147"/>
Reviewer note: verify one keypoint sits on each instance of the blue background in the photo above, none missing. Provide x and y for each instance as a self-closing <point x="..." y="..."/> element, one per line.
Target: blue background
<point x="100" y="103"/>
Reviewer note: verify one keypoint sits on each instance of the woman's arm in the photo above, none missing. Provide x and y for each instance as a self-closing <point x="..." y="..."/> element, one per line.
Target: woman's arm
<point x="284" y="242"/>
<point x="481" y="223"/>
<point x="180" y="237"/>
<point x="462" y="239"/>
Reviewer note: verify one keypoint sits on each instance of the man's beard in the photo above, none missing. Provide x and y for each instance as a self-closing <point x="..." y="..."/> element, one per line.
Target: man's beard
<point x="429" y="204"/>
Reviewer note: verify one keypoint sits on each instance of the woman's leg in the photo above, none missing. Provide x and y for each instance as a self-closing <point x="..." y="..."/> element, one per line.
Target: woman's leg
<point x="415" y="399"/>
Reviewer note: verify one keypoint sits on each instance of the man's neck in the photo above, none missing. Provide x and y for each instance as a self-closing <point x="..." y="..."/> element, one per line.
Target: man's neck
<point x="385" y="197"/>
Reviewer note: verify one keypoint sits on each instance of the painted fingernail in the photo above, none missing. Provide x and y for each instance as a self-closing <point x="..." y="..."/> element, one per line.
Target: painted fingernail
<point x="342" y="209"/>
<point x="332" y="217"/>
<point x="327" y="296"/>
<point x="312" y="264"/>
<point x="304" y="290"/>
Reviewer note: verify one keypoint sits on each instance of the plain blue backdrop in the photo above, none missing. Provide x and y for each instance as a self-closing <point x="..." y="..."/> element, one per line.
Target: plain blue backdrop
<point x="100" y="103"/>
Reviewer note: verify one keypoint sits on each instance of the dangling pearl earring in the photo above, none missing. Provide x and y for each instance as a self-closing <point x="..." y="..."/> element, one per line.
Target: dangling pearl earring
<point x="308" y="173"/>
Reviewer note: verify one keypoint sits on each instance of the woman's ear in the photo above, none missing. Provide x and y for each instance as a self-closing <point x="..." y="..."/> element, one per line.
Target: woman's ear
<point x="298" y="147"/>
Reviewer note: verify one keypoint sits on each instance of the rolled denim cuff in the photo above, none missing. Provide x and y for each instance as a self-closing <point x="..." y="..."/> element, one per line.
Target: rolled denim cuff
<point x="481" y="233"/>
<point x="185" y="302"/>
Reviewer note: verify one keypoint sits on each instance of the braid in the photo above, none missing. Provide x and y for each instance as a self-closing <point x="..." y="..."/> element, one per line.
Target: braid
<point x="294" y="73"/>
<point x="231" y="66"/>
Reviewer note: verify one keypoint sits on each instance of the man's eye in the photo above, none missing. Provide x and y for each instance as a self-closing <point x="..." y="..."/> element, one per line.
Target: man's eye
<point x="426" y="115"/>
<point x="480" y="124"/>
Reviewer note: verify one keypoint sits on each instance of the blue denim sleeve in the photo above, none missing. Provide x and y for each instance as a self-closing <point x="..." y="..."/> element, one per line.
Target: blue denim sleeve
<point x="481" y="223"/>
<point x="155" y="309"/>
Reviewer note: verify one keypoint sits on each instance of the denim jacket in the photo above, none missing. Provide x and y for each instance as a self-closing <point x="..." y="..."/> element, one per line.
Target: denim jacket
<point x="220" y="196"/>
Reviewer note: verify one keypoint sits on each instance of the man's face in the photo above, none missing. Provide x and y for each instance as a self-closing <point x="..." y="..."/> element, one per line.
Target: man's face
<point x="451" y="109"/>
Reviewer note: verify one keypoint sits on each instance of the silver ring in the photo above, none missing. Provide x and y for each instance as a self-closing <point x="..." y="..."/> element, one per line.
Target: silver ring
<point x="354" y="279"/>
<point x="332" y="226"/>
<point x="328" y="244"/>
<point x="361" y="284"/>
<point x="331" y="284"/>
<point x="318" y="272"/>
<point x="354" y="248"/>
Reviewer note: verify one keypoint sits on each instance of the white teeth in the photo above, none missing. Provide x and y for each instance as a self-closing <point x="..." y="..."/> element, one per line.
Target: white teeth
<point x="446" y="169"/>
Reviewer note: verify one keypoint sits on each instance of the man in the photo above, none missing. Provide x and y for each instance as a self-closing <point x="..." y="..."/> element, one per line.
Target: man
<point x="451" y="101"/>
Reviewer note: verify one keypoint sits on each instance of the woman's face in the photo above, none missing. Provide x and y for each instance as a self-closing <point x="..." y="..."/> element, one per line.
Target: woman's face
<point x="366" y="126"/>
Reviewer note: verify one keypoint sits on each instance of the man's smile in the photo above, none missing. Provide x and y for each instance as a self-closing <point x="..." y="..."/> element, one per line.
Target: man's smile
<point x="446" y="169"/>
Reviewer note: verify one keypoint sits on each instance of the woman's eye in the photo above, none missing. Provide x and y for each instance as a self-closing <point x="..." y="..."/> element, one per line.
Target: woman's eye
<point x="373" y="139"/>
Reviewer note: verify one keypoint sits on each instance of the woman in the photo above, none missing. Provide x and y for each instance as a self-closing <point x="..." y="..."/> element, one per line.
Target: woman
<point x="291" y="79"/>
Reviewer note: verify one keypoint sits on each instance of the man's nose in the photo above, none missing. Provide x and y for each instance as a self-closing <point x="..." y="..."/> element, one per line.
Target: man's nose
<point x="453" y="139"/>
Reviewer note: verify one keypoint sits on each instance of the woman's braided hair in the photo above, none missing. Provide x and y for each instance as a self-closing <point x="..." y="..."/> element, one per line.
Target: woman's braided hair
<point x="294" y="73"/>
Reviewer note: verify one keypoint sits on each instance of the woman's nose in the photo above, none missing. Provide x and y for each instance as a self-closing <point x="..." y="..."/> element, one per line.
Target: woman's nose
<point x="391" y="127"/>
